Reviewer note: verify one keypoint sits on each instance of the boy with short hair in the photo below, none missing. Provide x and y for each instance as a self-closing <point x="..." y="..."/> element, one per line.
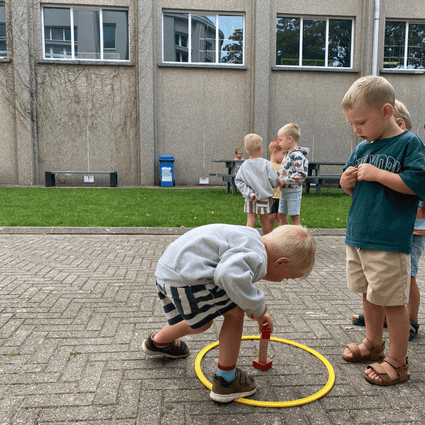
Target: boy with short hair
<point x="211" y="271"/>
<point x="255" y="180"/>
<point x="385" y="175"/>
<point x="238" y="158"/>
<point x="276" y="156"/>
<point x="293" y="171"/>
<point x="404" y="121"/>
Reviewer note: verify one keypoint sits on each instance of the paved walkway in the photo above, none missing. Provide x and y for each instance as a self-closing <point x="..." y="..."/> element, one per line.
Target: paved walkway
<point x="76" y="304"/>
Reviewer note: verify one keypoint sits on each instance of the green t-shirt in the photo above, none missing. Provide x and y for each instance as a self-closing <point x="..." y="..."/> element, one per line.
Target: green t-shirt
<point x="381" y="218"/>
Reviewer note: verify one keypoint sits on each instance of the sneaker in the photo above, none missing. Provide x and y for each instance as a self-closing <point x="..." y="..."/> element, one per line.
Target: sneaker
<point x="225" y="392"/>
<point x="176" y="350"/>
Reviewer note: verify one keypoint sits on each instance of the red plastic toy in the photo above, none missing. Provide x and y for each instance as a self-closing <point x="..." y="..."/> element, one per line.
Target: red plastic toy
<point x="262" y="362"/>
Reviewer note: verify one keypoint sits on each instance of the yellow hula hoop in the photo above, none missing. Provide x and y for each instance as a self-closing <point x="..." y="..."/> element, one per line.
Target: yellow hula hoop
<point x="309" y="399"/>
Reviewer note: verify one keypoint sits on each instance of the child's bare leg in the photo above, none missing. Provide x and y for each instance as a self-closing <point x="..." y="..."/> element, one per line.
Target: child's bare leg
<point x="170" y="333"/>
<point x="295" y="220"/>
<point x="251" y="220"/>
<point x="374" y="318"/>
<point x="273" y="218"/>
<point x="280" y="219"/>
<point x="414" y="300"/>
<point x="265" y="223"/>
<point x="398" y="332"/>
<point x="230" y="337"/>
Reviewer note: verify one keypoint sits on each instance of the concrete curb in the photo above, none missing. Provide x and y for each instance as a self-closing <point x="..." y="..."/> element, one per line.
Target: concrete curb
<point x="125" y="231"/>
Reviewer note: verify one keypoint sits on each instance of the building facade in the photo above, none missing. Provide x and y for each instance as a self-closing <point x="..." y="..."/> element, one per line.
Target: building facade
<point x="114" y="84"/>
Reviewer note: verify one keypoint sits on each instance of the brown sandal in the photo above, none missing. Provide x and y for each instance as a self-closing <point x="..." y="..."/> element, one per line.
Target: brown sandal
<point x="375" y="353"/>
<point x="402" y="373"/>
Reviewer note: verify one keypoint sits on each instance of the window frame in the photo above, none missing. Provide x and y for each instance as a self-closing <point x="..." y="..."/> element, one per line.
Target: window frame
<point x="326" y="67"/>
<point x="217" y="50"/>
<point x="405" y="68"/>
<point x="102" y="49"/>
<point x="5" y="31"/>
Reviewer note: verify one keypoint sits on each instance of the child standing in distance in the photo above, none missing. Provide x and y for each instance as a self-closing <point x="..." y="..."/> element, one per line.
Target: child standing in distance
<point x="276" y="157"/>
<point x="211" y="271"/>
<point x="293" y="172"/>
<point x="238" y="158"/>
<point x="385" y="175"/>
<point x="255" y="180"/>
<point x="404" y="121"/>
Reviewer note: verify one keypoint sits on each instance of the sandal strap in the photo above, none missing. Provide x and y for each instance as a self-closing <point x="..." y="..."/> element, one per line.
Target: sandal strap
<point x="354" y="348"/>
<point x="371" y="346"/>
<point x="395" y="364"/>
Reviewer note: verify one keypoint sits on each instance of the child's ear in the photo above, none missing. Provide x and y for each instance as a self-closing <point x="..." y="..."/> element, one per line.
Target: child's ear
<point x="401" y="123"/>
<point x="282" y="260"/>
<point x="388" y="111"/>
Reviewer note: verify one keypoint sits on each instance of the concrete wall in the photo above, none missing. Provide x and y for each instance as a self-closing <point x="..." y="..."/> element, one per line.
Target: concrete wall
<point x="101" y="116"/>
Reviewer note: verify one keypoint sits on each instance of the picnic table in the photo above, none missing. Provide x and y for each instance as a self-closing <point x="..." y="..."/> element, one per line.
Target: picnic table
<point x="315" y="176"/>
<point x="230" y="176"/>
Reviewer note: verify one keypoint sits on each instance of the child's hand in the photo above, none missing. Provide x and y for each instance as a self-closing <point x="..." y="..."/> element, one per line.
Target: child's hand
<point x="254" y="198"/>
<point x="368" y="172"/>
<point x="349" y="179"/>
<point x="264" y="318"/>
<point x="281" y="182"/>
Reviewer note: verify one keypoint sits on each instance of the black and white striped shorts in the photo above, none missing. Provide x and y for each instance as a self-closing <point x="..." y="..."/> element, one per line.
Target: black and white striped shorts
<point x="259" y="207"/>
<point x="197" y="305"/>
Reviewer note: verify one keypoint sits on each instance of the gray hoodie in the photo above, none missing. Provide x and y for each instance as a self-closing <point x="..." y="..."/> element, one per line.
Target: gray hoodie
<point x="232" y="257"/>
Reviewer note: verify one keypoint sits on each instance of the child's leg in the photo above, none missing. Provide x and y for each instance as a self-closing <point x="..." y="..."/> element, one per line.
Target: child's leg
<point x="170" y="333"/>
<point x="282" y="219"/>
<point x="398" y="331"/>
<point x="414" y="300"/>
<point x="296" y="220"/>
<point x="251" y="219"/>
<point x="265" y="223"/>
<point x="230" y="337"/>
<point x="374" y="318"/>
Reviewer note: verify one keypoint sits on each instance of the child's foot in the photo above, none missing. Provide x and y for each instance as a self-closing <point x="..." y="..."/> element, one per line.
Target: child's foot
<point x="366" y="351"/>
<point x="176" y="350"/>
<point x="225" y="392"/>
<point x="389" y="372"/>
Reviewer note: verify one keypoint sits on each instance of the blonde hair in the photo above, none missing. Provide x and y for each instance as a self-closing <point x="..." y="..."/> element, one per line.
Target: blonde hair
<point x="296" y="243"/>
<point x="290" y="129"/>
<point x="400" y="111"/>
<point x="252" y="142"/>
<point x="371" y="90"/>
<point x="274" y="144"/>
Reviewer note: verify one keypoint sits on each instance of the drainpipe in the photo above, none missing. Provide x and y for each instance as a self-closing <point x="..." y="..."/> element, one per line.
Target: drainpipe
<point x="376" y="37"/>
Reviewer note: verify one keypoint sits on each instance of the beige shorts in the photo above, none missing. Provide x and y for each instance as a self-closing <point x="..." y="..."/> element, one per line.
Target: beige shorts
<point x="382" y="275"/>
<point x="259" y="207"/>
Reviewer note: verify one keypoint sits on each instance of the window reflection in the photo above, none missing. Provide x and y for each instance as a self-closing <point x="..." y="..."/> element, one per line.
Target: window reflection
<point x="339" y="48"/>
<point x="57" y="32"/>
<point x="209" y="33"/>
<point x="3" y="47"/>
<point x="395" y="38"/>
<point x="416" y="47"/>
<point x="314" y="36"/>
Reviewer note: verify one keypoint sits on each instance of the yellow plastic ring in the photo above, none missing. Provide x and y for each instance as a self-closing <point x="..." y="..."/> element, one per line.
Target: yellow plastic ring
<point x="305" y="400"/>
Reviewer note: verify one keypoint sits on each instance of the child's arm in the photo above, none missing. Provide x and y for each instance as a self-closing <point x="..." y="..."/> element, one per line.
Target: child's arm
<point x="245" y="190"/>
<point x="297" y="172"/>
<point x="348" y="180"/>
<point x="371" y="173"/>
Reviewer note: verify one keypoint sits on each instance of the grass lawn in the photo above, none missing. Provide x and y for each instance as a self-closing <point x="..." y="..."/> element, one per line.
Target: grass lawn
<point x="158" y="207"/>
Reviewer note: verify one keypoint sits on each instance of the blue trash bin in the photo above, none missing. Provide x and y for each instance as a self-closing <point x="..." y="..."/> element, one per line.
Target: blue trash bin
<point x="166" y="170"/>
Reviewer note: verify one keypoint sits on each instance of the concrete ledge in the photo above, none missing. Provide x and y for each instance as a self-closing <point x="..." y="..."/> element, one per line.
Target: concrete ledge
<point x="125" y="231"/>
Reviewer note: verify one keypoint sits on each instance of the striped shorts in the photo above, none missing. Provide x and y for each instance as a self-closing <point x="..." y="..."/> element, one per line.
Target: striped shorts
<point x="259" y="207"/>
<point x="197" y="305"/>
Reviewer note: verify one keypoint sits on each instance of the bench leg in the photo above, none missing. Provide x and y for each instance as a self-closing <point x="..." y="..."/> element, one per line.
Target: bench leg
<point x="319" y="187"/>
<point x="50" y="179"/>
<point x="307" y="188"/>
<point x="113" y="179"/>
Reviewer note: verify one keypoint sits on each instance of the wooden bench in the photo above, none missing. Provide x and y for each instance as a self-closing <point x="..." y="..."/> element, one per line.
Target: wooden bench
<point x="229" y="178"/>
<point x="50" y="176"/>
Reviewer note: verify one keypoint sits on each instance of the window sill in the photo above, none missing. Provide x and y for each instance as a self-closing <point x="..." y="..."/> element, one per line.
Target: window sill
<point x="202" y="66"/>
<point x="5" y="60"/>
<point x="314" y="69"/>
<point x="402" y="71"/>
<point x="84" y="62"/>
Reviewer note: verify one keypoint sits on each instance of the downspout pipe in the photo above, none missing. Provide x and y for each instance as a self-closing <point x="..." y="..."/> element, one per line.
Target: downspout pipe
<point x="375" y="44"/>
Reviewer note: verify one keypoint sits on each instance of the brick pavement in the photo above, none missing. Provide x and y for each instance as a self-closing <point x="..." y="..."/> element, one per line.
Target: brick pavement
<point x="76" y="306"/>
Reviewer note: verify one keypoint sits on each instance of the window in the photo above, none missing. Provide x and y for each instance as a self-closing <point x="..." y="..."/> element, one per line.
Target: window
<point x="83" y="33"/>
<point x="3" y="46"/>
<point x="404" y="46"/>
<point x="207" y="38"/>
<point x="321" y="42"/>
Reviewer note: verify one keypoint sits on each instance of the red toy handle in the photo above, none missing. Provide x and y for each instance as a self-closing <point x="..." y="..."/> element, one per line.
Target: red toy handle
<point x="265" y="331"/>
